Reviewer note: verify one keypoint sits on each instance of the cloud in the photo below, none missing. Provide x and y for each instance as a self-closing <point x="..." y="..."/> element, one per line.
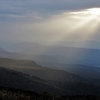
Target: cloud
<point x="65" y="26"/>
<point x="43" y="7"/>
<point x="28" y="20"/>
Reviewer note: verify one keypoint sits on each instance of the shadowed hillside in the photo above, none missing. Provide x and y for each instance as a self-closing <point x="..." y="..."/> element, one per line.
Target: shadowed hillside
<point x="18" y="94"/>
<point x="18" y="80"/>
<point x="44" y="79"/>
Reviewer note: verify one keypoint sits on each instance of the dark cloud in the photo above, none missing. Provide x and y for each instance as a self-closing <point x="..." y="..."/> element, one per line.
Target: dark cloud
<point x="43" y="7"/>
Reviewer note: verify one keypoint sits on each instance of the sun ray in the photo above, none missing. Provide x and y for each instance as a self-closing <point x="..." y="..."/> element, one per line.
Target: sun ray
<point x="87" y="25"/>
<point x="74" y="25"/>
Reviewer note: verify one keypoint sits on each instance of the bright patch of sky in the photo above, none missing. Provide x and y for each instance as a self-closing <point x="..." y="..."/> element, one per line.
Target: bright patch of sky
<point x="49" y="20"/>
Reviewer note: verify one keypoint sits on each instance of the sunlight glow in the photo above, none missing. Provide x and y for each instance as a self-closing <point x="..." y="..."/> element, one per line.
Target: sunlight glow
<point x="86" y="26"/>
<point x="94" y="11"/>
<point x="69" y="25"/>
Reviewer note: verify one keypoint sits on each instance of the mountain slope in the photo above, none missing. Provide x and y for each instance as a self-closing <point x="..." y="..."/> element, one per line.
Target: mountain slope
<point x="38" y="52"/>
<point x="80" y="44"/>
<point x="44" y="79"/>
<point x="82" y="55"/>
<point x="30" y="67"/>
<point x="18" y="80"/>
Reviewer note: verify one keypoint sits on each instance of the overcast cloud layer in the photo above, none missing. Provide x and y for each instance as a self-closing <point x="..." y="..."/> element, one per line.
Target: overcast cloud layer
<point x="26" y="8"/>
<point x="21" y="20"/>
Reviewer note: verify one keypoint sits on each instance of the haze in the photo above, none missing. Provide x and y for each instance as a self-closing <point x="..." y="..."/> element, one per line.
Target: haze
<point x="49" y="20"/>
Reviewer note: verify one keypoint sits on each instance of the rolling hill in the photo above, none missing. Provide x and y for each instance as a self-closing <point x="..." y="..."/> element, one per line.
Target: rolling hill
<point x="44" y="79"/>
<point x="54" y="54"/>
<point x="18" y="80"/>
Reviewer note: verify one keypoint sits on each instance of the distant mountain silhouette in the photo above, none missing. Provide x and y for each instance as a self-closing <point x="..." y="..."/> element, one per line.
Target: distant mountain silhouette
<point x="80" y="44"/>
<point x="78" y="55"/>
<point x="2" y="50"/>
<point x="62" y="54"/>
<point x="17" y="47"/>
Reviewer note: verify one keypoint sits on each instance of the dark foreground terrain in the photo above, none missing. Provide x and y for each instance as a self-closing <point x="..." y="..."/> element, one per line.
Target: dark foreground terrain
<point x="27" y="75"/>
<point x="26" y="80"/>
<point x="18" y="94"/>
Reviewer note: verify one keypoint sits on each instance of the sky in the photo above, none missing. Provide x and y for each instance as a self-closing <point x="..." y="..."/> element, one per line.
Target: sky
<point x="49" y="20"/>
